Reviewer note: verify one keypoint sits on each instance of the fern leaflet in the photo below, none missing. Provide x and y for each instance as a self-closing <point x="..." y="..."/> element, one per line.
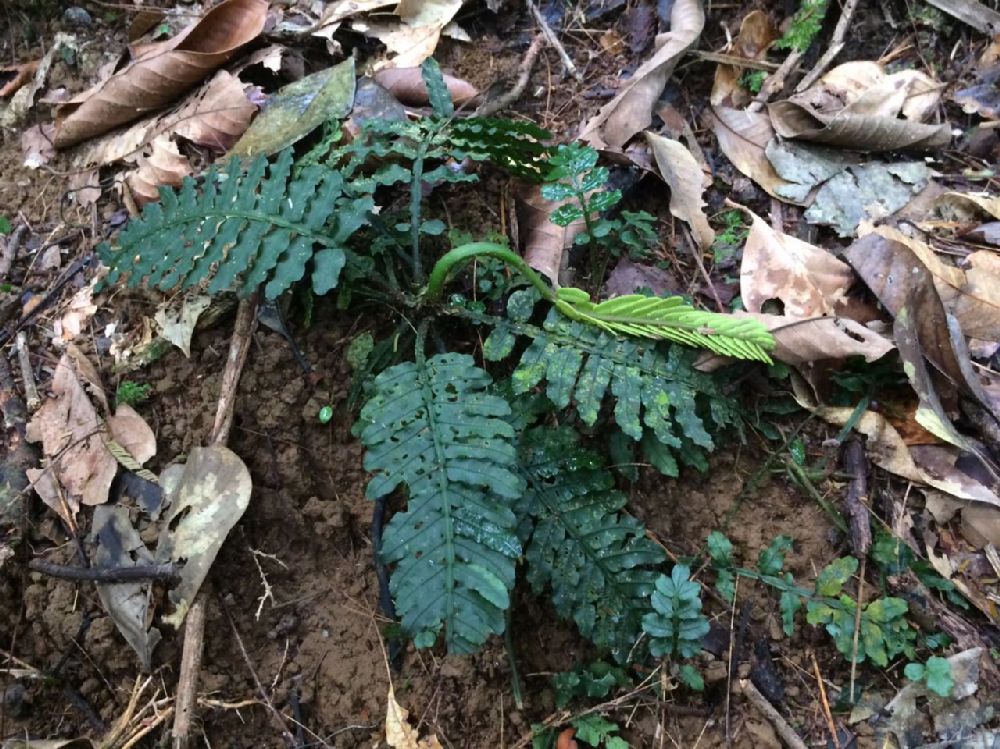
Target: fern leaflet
<point x="241" y="230"/>
<point x="432" y="426"/>
<point x="595" y="559"/>
<point x="670" y="319"/>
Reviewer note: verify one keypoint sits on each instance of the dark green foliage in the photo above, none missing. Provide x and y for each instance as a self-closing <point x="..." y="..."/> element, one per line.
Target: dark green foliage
<point x="596" y="679"/>
<point x="432" y="427"/>
<point x="936" y="674"/>
<point x="241" y="230"/>
<point x="596" y="560"/>
<point x="676" y="625"/>
<point x="653" y="389"/>
<point x="804" y="27"/>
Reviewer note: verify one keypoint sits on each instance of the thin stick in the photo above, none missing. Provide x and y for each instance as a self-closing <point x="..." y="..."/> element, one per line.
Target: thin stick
<point x="194" y="625"/>
<point x="774" y="83"/>
<point x="491" y="107"/>
<point x="729" y="660"/>
<point x="857" y="626"/>
<point x="785" y="731"/>
<point x="826" y="705"/>
<point x="833" y="49"/>
<point x="550" y="35"/>
<point x="696" y="251"/>
<point x="32" y="401"/>
<point x="168" y="572"/>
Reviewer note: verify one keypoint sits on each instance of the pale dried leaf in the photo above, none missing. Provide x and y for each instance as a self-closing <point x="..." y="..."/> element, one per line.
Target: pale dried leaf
<point x="808" y="280"/>
<point x="802" y="340"/>
<point x="177" y="325"/>
<point x="81" y="308"/>
<point x="162" y="165"/>
<point x="24" y="98"/>
<point x="743" y="137"/>
<point x="132" y="432"/>
<point x="399" y="734"/>
<point x="341" y="10"/>
<point x="415" y="36"/>
<point x="71" y="434"/>
<point x="84" y="187"/>
<point x="687" y="181"/>
<point x="865" y="89"/>
<point x="969" y="203"/>
<point x="209" y="499"/>
<point x="631" y="110"/>
<point x="161" y="72"/>
<point x="36" y="145"/>
<point x="407" y="85"/>
<point x="755" y="37"/>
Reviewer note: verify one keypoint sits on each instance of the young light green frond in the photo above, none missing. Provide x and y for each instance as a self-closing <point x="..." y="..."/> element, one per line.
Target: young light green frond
<point x="651" y="389"/>
<point x="433" y="427"/>
<point x="595" y="559"/>
<point x="676" y="625"/>
<point x="241" y="229"/>
<point x="671" y="319"/>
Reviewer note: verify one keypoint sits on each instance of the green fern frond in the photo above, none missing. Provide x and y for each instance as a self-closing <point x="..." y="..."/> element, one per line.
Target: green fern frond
<point x="676" y="625"/>
<point x="652" y="389"/>
<point x="432" y="426"/>
<point x="596" y="560"/>
<point x="242" y="229"/>
<point x="670" y="319"/>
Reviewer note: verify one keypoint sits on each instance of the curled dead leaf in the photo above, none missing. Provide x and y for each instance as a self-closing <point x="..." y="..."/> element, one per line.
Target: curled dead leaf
<point x="407" y="85"/>
<point x="399" y="734"/>
<point x="743" y="137"/>
<point x="687" y="181"/>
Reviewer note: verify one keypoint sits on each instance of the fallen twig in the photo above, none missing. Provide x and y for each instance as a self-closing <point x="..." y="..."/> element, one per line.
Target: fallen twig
<point x="492" y="106"/>
<point x="32" y="401"/>
<point x="759" y="701"/>
<point x="833" y="49"/>
<point x="168" y="572"/>
<point x="8" y="249"/>
<point x="550" y="35"/>
<point x="194" y="624"/>
<point x="831" y="726"/>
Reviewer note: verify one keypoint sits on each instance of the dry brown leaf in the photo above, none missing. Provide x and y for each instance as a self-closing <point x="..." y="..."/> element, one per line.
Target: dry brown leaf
<point x="856" y="105"/>
<point x="687" y="182"/>
<point x="341" y="10"/>
<point x="132" y="432"/>
<point x="407" y="85"/>
<point x="214" y="116"/>
<point x="743" y="137"/>
<point x="72" y="437"/>
<point x="15" y="76"/>
<point x="399" y="734"/>
<point x="162" y="165"/>
<point x="415" y="36"/>
<point x="80" y="309"/>
<point x="631" y="110"/>
<point x="755" y="37"/>
<point x="544" y="242"/>
<point x="84" y="187"/>
<point x="802" y="340"/>
<point x="972" y="295"/>
<point x="162" y="72"/>
<point x="808" y="280"/>
<point x="970" y="203"/>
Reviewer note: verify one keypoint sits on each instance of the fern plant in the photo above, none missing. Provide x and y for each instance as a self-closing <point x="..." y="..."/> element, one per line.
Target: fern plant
<point x="486" y="487"/>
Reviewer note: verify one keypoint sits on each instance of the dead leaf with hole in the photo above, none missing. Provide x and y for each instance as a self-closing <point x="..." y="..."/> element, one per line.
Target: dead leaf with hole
<point x="857" y="105"/>
<point x="743" y="137"/>
<point x="161" y="72"/>
<point x="160" y="165"/>
<point x="413" y="38"/>
<point x="751" y="43"/>
<point x="399" y="734"/>
<point x="803" y="340"/>
<point x="544" y="241"/>
<point x="211" y="492"/>
<point x="808" y="280"/>
<point x="177" y="325"/>
<point x="214" y="116"/>
<point x="407" y="85"/>
<point x="299" y="108"/>
<point x="687" y="182"/>
<point x="72" y="436"/>
<point x="117" y="544"/>
<point x="631" y="110"/>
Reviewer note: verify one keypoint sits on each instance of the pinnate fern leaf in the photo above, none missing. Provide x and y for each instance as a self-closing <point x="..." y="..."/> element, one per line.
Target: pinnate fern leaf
<point x="676" y="624"/>
<point x="432" y="426"/>
<point x="652" y="390"/>
<point x="596" y="560"/>
<point x="670" y="319"/>
<point x="241" y="229"/>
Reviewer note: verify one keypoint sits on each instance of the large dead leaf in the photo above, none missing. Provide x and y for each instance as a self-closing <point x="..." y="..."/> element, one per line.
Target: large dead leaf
<point x="972" y="295"/>
<point x="415" y="36"/>
<point x="808" y="280"/>
<point x="687" y="181"/>
<point x="544" y="241"/>
<point x="72" y="437"/>
<point x="631" y="110"/>
<point x="399" y="734"/>
<point x="214" y="116"/>
<point x="117" y="544"/>
<point x="298" y="109"/>
<point x="803" y="340"/>
<point x="743" y="137"/>
<point x="208" y="495"/>
<point x="865" y="88"/>
<point x="407" y="85"/>
<point x="161" y="72"/>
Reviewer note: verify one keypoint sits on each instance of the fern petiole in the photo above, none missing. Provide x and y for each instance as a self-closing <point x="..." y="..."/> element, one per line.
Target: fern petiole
<point x="443" y="268"/>
<point x="416" y="197"/>
<point x="515" y="676"/>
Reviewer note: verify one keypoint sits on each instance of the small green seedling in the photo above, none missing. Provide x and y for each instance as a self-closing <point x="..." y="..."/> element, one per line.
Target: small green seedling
<point x="131" y="393"/>
<point x="936" y="674"/>
<point x="325" y="414"/>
